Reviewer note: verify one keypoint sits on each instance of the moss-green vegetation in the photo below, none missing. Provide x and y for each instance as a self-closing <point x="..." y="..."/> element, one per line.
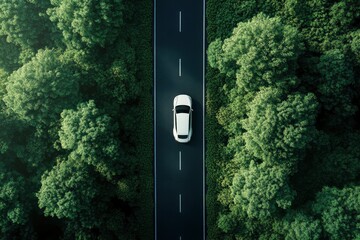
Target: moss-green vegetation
<point x="283" y="124"/>
<point x="75" y="119"/>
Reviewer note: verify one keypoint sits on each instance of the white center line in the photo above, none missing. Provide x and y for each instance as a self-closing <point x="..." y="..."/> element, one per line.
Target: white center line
<point x="179" y="67"/>
<point x="179" y="21"/>
<point x="179" y="203"/>
<point x="180" y="160"/>
<point x="180" y="237"/>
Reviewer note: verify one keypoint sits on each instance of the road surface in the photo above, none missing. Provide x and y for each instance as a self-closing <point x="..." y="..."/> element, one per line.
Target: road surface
<point x="179" y="168"/>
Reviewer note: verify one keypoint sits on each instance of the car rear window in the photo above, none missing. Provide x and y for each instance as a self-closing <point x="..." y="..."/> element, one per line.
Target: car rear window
<point x="182" y="109"/>
<point x="183" y="136"/>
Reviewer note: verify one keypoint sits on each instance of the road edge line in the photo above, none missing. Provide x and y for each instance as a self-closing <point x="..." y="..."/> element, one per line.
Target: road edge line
<point x="155" y="163"/>
<point x="204" y="103"/>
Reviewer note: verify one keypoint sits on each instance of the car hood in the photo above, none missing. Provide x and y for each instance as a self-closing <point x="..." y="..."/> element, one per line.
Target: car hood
<point x="182" y="100"/>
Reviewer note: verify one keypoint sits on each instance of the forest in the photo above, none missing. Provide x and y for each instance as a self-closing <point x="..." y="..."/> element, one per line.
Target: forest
<point x="283" y="119"/>
<point x="75" y="106"/>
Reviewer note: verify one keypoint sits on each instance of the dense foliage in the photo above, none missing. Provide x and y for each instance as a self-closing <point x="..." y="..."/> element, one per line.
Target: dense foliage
<point x="72" y="119"/>
<point x="285" y="76"/>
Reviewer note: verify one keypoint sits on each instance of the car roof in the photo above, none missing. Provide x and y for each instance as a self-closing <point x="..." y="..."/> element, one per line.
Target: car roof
<point x="182" y="122"/>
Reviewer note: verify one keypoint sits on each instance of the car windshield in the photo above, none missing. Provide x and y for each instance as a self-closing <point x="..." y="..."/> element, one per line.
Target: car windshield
<point x="182" y="109"/>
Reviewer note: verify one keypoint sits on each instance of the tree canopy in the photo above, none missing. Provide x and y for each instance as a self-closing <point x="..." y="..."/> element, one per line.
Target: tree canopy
<point x="88" y="23"/>
<point x="261" y="190"/>
<point x="260" y="53"/>
<point x="89" y="136"/>
<point x="338" y="209"/>
<point x="71" y="74"/>
<point x="283" y="119"/>
<point x="42" y="88"/>
<point x="279" y="130"/>
<point x="25" y="24"/>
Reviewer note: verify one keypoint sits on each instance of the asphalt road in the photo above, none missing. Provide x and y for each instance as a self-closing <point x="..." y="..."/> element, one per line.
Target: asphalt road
<point x="179" y="168"/>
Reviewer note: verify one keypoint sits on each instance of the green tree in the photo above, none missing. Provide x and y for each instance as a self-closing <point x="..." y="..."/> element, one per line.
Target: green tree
<point x="339" y="210"/>
<point x="42" y="88"/>
<point x="3" y="80"/>
<point x="328" y="24"/>
<point x="68" y="170"/>
<point x="121" y="84"/>
<point x="114" y="87"/>
<point x="318" y="25"/>
<point x="89" y="187"/>
<point x="355" y="45"/>
<point x="283" y="89"/>
<point x="299" y="226"/>
<point x="337" y="83"/>
<point x="278" y="129"/>
<point x="260" y="52"/>
<point x="14" y="202"/>
<point x="10" y="53"/>
<point x="74" y="192"/>
<point x="69" y="190"/>
<point x="343" y="16"/>
<point x="295" y="13"/>
<point x="24" y="150"/>
<point x="88" y="23"/>
<point x="262" y="190"/>
<point x="25" y="24"/>
<point x="90" y="137"/>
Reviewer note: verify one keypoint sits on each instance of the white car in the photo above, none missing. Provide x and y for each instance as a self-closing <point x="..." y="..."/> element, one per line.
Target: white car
<point x="182" y="118"/>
